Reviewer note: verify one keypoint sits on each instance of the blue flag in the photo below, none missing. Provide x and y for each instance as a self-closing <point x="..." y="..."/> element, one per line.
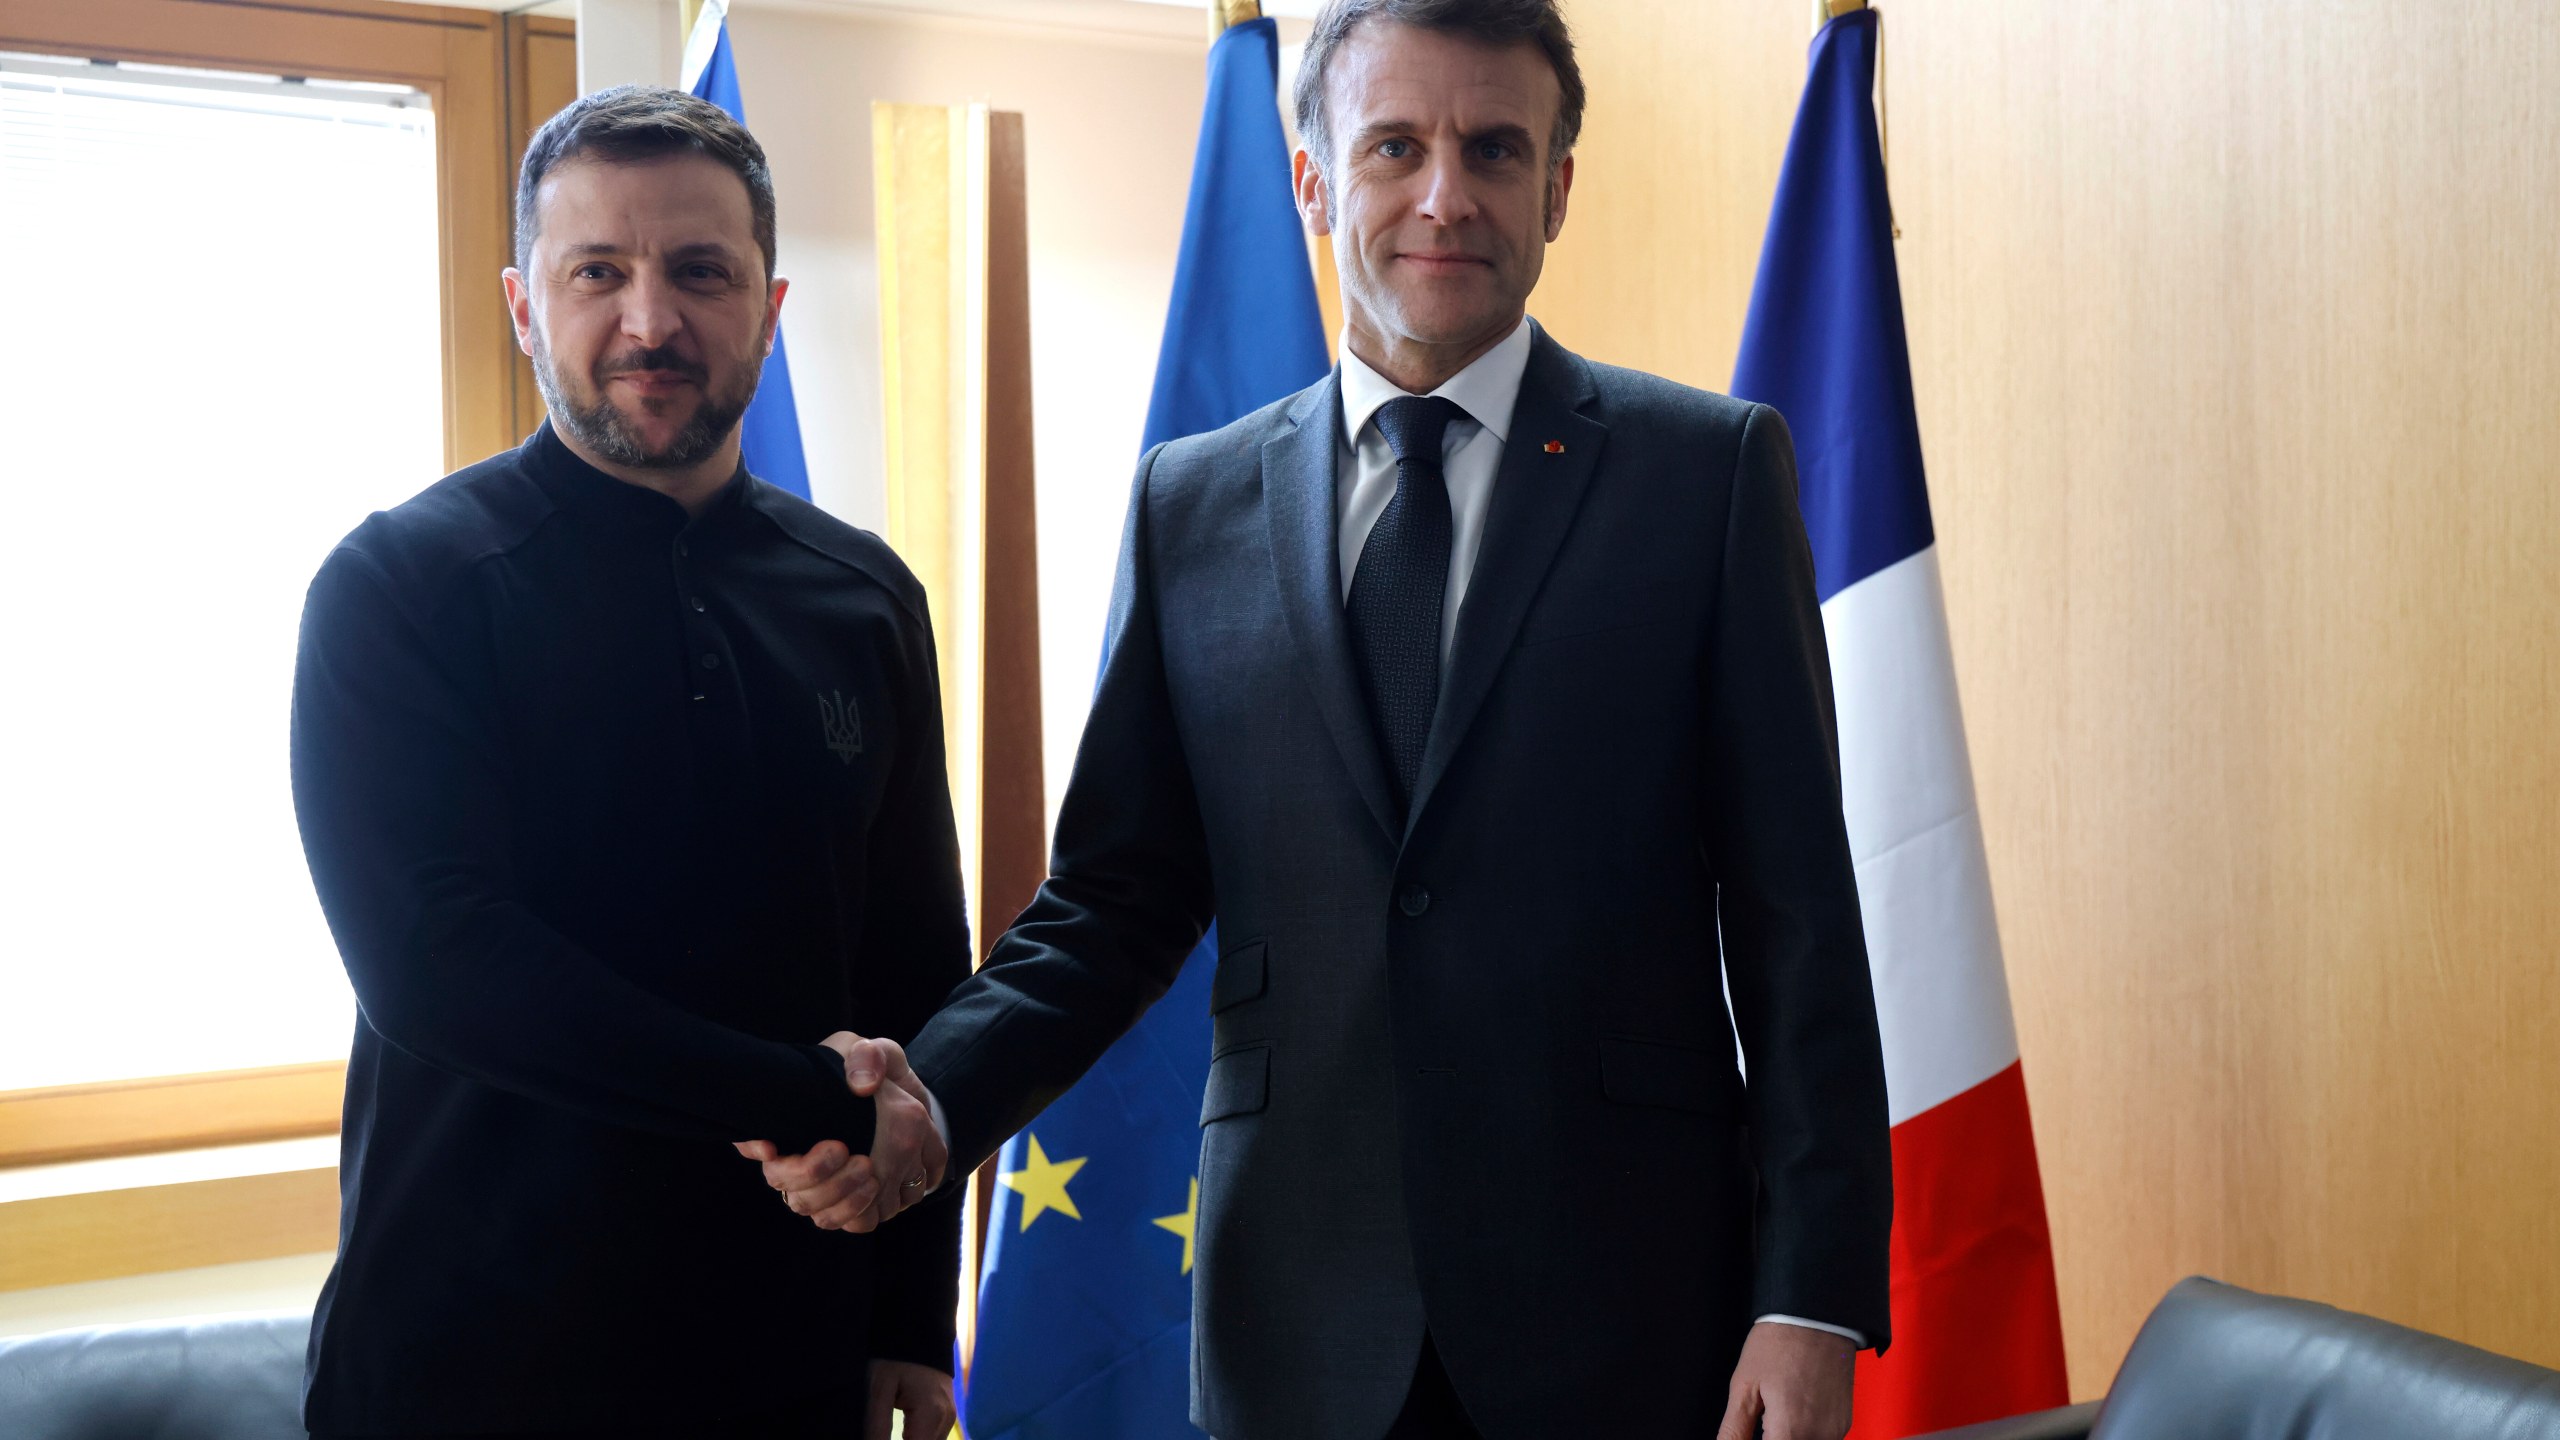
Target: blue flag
<point x="1084" y="1312"/>
<point x="1823" y="343"/>
<point x="770" y="434"/>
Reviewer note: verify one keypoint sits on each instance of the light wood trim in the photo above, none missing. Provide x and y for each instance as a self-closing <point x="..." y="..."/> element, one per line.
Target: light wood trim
<point x="63" y="1239"/>
<point x="955" y="320"/>
<point x="478" y="214"/>
<point x="342" y="41"/>
<point x="542" y="78"/>
<point x="170" y="1112"/>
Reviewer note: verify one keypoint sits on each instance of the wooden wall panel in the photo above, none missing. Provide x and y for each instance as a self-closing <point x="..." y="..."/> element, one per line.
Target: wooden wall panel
<point x="1013" y="830"/>
<point x="62" y="1239"/>
<point x="1686" y="122"/>
<point x="955" y="338"/>
<point x="956" y="361"/>
<point x="170" y="1112"/>
<point x="2235" y="333"/>
<point x="919" y="260"/>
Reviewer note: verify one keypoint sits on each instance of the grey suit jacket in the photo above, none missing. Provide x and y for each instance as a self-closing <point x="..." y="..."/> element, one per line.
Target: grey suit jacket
<point x="1475" y="1072"/>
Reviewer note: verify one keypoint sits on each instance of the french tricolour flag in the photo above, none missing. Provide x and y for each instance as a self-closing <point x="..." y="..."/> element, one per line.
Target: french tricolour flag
<point x="1977" y="1331"/>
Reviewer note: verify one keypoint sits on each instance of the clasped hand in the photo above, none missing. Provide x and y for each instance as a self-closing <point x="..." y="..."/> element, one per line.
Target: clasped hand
<point x="839" y="1190"/>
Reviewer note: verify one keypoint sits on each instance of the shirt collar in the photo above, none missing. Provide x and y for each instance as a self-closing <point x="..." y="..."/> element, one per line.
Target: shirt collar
<point x="573" y="482"/>
<point x="1487" y="389"/>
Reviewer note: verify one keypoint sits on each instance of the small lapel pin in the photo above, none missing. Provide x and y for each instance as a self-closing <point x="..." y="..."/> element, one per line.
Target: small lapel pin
<point x="1555" y="447"/>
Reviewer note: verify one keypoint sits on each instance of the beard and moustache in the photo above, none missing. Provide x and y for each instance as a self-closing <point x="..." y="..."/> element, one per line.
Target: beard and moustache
<point x="597" y="423"/>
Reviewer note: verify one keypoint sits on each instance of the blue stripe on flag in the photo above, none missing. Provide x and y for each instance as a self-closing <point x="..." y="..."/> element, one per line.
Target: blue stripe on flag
<point x="1824" y="341"/>
<point x="770" y="433"/>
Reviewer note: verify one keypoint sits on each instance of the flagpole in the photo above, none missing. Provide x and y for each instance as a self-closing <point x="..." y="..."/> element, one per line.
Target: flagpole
<point x="1225" y="15"/>
<point x="1826" y="11"/>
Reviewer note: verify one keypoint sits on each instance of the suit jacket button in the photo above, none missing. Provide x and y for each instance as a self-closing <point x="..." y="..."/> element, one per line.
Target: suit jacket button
<point x="1414" y="900"/>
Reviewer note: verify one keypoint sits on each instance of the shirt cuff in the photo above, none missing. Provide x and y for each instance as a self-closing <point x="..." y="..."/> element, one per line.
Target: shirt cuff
<point x="1856" y="1340"/>
<point x="941" y="1127"/>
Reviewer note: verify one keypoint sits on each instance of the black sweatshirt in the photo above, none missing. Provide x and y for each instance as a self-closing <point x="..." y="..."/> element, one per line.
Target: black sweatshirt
<point x="613" y="815"/>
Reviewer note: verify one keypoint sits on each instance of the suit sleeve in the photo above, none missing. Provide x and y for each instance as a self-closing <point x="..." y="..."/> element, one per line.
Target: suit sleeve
<point x="916" y="949"/>
<point x="1787" y="905"/>
<point x="1128" y="895"/>
<point x="399" y="789"/>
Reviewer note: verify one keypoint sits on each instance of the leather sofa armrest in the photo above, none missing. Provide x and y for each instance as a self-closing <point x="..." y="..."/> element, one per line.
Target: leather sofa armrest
<point x="2071" y="1422"/>
<point x="239" y="1377"/>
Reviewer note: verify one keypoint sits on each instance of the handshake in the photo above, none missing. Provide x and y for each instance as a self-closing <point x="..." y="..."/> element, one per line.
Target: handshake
<point x="839" y="1190"/>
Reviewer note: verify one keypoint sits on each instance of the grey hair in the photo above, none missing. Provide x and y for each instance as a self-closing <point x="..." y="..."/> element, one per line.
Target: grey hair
<point x="1491" y="22"/>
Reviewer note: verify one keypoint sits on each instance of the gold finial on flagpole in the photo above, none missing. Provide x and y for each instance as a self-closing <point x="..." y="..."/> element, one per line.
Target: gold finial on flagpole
<point x="1225" y="15"/>
<point x="1826" y="11"/>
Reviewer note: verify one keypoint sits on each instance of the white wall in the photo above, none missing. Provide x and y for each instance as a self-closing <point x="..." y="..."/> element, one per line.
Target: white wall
<point x="627" y="42"/>
<point x="1109" y="122"/>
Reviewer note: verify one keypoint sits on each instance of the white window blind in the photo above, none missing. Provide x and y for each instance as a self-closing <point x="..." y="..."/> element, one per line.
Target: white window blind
<point x="219" y="349"/>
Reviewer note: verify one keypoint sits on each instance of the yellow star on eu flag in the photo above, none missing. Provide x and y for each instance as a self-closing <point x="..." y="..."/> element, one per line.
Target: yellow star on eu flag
<point x="1183" y="1223"/>
<point x="1042" y="1184"/>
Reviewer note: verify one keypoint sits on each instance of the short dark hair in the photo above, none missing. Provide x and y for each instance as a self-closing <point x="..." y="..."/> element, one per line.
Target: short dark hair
<point x="628" y="124"/>
<point x="1493" y="22"/>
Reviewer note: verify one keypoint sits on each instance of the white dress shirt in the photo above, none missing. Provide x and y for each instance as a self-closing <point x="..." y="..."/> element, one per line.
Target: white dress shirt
<point x="1470" y="457"/>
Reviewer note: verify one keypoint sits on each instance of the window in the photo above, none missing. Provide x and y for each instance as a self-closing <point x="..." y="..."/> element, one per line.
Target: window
<point x="170" y="351"/>
<point x="222" y="347"/>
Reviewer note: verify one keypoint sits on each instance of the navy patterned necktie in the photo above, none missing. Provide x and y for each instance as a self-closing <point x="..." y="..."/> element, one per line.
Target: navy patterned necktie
<point x="1399" y="583"/>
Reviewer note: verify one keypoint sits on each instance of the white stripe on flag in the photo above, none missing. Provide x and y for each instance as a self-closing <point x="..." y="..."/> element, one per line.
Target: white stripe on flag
<point x="1903" y="768"/>
<point x="1924" y="885"/>
<point x="699" y="45"/>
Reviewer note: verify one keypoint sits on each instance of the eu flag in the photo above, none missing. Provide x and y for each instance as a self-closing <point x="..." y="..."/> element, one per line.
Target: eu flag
<point x="1084" y="1314"/>
<point x="770" y="433"/>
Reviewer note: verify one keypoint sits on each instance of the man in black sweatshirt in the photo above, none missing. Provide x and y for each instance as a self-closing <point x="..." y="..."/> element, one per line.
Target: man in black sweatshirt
<point x="620" y="773"/>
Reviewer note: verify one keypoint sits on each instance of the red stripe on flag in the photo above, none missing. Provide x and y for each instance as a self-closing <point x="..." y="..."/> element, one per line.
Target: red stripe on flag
<point x="1977" y="1330"/>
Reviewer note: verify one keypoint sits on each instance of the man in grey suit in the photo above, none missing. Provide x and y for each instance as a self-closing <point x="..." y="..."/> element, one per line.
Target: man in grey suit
<point x="1479" y="692"/>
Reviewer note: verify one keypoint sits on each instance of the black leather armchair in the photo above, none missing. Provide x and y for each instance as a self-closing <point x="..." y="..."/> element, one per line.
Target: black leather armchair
<point x="2216" y="1362"/>
<point x="238" y="1379"/>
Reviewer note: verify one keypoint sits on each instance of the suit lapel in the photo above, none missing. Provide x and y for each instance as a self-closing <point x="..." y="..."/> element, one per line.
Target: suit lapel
<point x="1298" y="501"/>
<point x="1535" y="495"/>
